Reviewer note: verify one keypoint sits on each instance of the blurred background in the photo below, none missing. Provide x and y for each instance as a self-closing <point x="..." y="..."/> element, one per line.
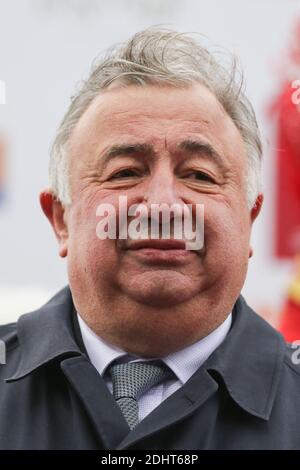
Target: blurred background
<point x="47" y="46"/>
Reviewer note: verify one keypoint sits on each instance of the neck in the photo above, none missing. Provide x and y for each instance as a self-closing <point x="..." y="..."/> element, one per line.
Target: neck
<point x="147" y="331"/>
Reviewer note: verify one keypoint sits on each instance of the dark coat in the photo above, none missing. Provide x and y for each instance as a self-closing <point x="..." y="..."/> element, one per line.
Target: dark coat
<point x="245" y="396"/>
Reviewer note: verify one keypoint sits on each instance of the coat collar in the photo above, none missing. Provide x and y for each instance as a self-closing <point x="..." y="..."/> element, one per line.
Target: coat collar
<point x="46" y="334"/>
<point x="249" y="360"/>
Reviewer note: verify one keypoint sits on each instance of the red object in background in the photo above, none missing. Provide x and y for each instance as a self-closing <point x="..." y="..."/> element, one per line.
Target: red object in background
<point x="290" y="315"/>
<point x="287" y="217"/>
<point x="290" y="321"/>
<point x="287" y="204"/>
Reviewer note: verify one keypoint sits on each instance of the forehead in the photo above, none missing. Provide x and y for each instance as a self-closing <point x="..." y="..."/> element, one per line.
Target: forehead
<point x="161" y="115"/>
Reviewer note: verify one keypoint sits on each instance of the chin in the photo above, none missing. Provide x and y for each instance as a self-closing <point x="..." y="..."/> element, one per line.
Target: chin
<point x="166" y="290"/>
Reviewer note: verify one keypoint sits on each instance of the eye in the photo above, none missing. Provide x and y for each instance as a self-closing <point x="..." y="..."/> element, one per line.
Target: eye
<point x="126" y="173"/>
<point x="200" y="176"/>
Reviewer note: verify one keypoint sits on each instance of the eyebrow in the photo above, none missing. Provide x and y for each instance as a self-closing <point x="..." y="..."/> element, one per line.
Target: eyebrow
<point x="191" y="146"/>
<point x="126" y="149"/>
<point x="201" y="148"/>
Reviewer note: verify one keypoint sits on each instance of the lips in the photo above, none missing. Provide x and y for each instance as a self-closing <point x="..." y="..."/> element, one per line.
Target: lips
<point x="156" y="244"/>
<point x="159" y="252"/>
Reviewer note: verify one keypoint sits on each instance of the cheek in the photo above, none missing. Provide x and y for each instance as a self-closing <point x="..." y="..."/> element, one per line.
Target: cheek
<point x="227" y="231"/>
<point x="82" y="223"/>
<point x="84" y="218"/>
<point x="85" y="249"/>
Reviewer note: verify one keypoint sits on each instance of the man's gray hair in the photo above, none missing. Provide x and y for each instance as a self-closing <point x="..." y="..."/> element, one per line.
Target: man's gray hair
<point x="160" y="56"/>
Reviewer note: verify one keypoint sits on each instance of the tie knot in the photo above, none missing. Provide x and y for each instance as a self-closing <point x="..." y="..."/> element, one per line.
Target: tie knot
<point x="132" y="379"/>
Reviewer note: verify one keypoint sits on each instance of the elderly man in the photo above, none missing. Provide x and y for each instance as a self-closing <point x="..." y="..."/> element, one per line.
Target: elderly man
<point x="151" y="346"/>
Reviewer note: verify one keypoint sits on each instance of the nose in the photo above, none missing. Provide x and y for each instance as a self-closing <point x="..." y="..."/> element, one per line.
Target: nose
<point x="161" y="187"/>
<point x="163" y="191"/>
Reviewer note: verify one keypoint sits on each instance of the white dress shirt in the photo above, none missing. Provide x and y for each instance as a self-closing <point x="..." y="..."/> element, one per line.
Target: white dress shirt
<point x="183" y="363"/>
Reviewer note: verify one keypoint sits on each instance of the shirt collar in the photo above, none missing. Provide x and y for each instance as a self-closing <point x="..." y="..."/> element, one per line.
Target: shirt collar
<point x="249" y="359"/>
<point x="186" y="362"/>
<point x="183" y="363"/>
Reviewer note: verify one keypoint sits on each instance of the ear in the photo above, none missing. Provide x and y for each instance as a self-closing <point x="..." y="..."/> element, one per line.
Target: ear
<point x="254" y="213"/>
<point x="55" y="213"/>
<point x="257" y="207"/>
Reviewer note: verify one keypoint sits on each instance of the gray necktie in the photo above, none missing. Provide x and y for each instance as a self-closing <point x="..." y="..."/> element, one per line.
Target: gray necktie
<point x="131" y="380"/>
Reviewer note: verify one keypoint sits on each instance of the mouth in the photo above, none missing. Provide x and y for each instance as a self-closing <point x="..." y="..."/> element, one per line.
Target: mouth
<point x="156" y="244"/>
<point x="160" y="251"/>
